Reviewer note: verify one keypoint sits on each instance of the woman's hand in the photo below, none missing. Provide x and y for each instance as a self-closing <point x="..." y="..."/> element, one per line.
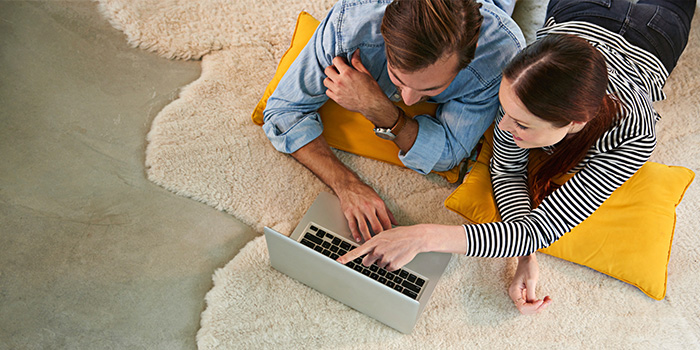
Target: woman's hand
<point x="392" y="249"/>
<point x="522" y="289"/>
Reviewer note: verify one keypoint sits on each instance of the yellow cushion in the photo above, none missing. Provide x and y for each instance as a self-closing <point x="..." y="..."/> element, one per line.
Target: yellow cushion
<point x="629" y="237"/>
<point x="305" y="27"/>
<point x="344" y="130"/>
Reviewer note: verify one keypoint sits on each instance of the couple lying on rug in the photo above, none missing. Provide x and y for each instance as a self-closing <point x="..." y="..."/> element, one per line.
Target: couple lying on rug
<point x="582" y="92"/>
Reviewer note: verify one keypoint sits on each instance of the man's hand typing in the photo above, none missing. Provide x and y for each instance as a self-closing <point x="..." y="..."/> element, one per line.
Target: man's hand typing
<point x="364" y="210"/>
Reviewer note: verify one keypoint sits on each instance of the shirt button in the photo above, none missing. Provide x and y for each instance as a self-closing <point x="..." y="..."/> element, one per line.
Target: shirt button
<point x="396" y="96"/>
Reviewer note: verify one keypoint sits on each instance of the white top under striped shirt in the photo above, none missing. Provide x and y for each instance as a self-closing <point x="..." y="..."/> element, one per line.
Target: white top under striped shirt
<point x="637" y="78"/>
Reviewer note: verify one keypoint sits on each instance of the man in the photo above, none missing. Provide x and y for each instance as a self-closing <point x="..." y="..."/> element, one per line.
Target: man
<point x="366" y="54"/>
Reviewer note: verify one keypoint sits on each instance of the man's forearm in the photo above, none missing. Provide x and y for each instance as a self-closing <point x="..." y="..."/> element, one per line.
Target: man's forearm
<point x="407" y="137"/>
<point x="385" y="115"/>
<point x="318" y="157"/>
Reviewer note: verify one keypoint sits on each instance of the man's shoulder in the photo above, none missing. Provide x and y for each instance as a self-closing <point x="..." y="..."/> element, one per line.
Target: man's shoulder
<point x="357" y="23"/>
<point x="500" y="40"/>
<point x="363" y="4"/>
<point x="496" y="19"/>
<point x="356" y="16"/>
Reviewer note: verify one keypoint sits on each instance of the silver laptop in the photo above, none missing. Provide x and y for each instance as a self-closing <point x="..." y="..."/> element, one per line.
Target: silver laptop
<point x="308" y="255"/>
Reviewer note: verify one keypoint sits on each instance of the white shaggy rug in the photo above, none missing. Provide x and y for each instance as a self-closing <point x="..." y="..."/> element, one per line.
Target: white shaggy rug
<point x="204" y="146"/>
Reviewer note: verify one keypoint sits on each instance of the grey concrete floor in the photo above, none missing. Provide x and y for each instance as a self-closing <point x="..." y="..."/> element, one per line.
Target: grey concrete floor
<point x="92" y="254"/>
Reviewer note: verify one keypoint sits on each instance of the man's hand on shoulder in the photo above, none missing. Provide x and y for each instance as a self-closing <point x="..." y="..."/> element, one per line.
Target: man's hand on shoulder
<point x="354" y="88"/>
<point x="364" y="209"/>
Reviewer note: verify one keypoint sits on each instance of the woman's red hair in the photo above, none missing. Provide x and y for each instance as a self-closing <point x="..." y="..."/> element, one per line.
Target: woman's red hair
<point x="563" y="79"/>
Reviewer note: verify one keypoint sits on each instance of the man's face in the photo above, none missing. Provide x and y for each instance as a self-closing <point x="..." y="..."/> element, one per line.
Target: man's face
<point x="420" y="85"/>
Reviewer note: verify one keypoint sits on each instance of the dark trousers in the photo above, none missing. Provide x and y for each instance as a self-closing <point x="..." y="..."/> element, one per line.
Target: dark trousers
<point x="660" y="27"/>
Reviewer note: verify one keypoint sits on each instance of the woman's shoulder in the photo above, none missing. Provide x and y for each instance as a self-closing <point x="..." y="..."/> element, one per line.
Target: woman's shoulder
<point x="635" y="129"/>
<point x="635" y="65"/>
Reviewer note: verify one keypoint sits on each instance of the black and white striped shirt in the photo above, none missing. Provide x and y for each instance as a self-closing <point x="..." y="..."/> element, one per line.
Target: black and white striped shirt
<point x="637" y="78"/>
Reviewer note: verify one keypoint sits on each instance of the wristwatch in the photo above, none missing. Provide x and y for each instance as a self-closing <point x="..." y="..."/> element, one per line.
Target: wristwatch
<point x="390" y="133"/>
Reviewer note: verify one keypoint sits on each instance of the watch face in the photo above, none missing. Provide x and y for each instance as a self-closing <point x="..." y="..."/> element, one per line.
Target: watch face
<point x="384" y="133"/>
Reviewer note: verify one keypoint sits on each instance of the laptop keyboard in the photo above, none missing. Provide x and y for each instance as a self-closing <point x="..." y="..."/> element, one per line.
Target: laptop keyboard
<point x="333" y="246"/>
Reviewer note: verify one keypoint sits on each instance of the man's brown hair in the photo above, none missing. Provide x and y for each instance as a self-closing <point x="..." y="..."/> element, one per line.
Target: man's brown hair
<point x="419" y="32"/>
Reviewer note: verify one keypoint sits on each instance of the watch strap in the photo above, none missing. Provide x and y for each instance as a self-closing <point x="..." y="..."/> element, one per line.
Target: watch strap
<point x="400" y="122"/>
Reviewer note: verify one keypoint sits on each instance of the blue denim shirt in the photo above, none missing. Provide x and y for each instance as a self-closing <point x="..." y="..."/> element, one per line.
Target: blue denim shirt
<point x="467" y="107"/>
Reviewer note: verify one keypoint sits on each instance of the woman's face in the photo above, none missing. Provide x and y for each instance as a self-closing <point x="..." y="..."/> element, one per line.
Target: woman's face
<point x="528" y="130"/>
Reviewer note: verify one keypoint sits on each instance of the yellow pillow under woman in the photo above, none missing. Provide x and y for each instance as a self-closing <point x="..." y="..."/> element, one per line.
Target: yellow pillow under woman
<point x="629" y="237"/>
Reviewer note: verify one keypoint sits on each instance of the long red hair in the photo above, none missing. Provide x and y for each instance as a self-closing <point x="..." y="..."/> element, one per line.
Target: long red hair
<point x="563" y="79"/>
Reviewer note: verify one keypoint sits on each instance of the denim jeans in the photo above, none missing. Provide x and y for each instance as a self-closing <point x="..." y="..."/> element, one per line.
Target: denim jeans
<point x="660" y="27"/>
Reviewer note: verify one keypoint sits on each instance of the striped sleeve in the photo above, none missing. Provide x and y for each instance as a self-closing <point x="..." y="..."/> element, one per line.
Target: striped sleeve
<point x="562" y="210"/>
<point x="611" y="161"/>
<point x="509" y="175"/>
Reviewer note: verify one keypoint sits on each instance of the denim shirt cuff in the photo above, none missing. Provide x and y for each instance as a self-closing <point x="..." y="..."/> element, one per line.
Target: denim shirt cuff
<point x="299" y="135"/>
<point x="427" y="148"/>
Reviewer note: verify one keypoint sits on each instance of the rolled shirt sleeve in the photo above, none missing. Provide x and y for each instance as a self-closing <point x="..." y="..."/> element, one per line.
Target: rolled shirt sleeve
<point x="290" y="118"/>
<point x="443" y="141"/>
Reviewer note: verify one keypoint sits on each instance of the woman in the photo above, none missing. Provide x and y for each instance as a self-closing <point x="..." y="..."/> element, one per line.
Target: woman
<point x="583" y="93"/>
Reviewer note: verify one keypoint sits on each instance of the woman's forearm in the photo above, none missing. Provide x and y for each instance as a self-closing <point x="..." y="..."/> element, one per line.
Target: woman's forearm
<point x="445" y="238"/>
